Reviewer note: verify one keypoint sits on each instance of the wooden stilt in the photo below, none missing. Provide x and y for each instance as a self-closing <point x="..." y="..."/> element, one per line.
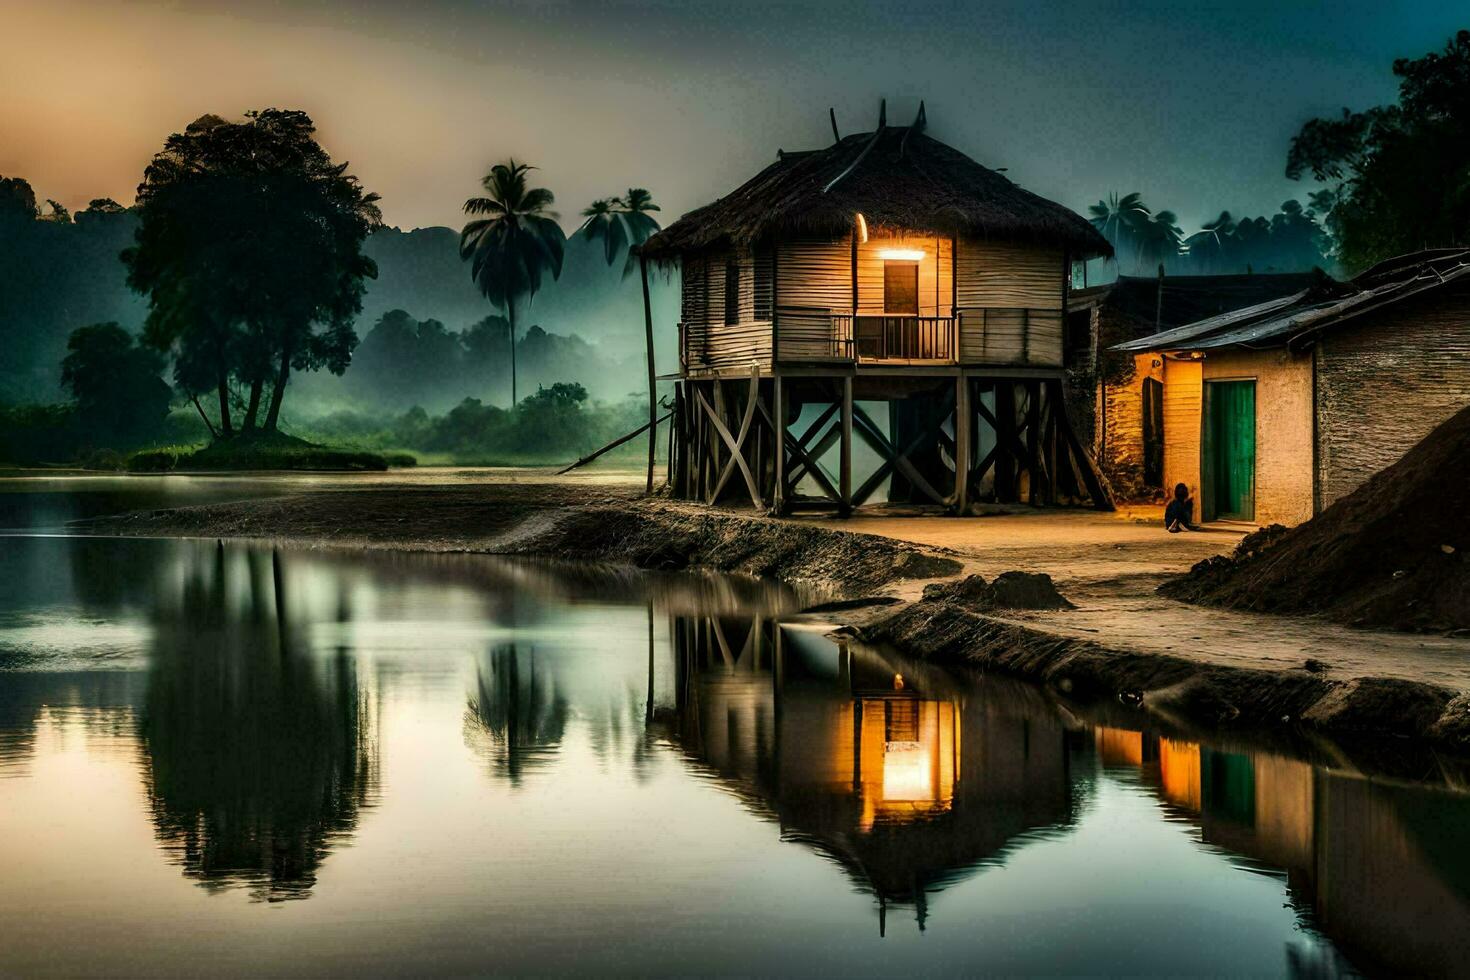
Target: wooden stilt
<point x="845" y="477"/>
<point x="778" y="425"/>
<point x="1005" y="438"/>
<point x="961" y="504"/>
<point x="1033" y="435"/>
<point x="1049" y="442"/>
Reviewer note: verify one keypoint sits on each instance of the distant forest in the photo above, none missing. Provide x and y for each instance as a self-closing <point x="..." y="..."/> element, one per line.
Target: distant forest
<point x="425" y="336"/>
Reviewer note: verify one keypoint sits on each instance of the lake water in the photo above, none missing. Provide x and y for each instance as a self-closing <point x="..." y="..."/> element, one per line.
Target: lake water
<point x="225" y="760"/>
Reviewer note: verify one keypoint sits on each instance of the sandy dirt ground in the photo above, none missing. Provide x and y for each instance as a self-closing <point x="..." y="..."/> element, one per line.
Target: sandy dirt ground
<point x="1110" y="564"/>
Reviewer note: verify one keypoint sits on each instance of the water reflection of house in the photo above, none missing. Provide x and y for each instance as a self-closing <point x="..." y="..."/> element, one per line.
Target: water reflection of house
<point x="901" y="777"/>
<point x="1384" y="869"/>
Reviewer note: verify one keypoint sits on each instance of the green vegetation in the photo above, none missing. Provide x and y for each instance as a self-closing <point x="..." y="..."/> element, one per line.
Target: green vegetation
<point x="1292" y="240"/>
<point x="556" y="424"/>
<point x="249" y="249"/>
<point x="513" y="243"/>
<point x="1396" y="179"/>
<point x="1398" y="176"/>
<point x="258" y="451"/>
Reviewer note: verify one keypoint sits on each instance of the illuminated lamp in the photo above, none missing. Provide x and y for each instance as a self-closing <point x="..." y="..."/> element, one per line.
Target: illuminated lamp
<point x="902" y="254"/>
<point x="862" y="229"/>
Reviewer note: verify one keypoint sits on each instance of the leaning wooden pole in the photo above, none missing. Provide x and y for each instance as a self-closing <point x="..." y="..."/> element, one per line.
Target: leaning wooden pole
<point x="652" y="381"/>
<point x="651" y="424"/>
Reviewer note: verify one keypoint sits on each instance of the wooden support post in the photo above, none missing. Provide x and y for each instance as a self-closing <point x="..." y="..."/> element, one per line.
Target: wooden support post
<point x="719" y="418"/>
<point x="676" y="443"/>
<point x="1049" y="440"/>
<point x="1005" y="438"/>
<point x="962" y="445"/>
<point x="845" y="478"/>
<point x="778" y="423"/>
<point x="736" y="444"/>
<point x="1033" y="433"/>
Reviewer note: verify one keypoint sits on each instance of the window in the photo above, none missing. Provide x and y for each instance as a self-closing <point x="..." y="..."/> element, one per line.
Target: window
<point x="765" y="291"/>
<point x="732" y="293"/>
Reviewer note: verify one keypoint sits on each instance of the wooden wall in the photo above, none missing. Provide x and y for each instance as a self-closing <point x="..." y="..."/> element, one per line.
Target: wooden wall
<point x="936" y="294"/>
<point x="1009" y="299"/>
<point x="710" y="344"/>
<point x="1019" y="289"/>
<point x="814" y="274"/>
<point x="1385" y="382"/>
<point x="1183" y="401"/>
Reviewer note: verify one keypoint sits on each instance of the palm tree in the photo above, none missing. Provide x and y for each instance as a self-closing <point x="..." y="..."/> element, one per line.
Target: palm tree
<point x="1208" y="245"/>
<point x="1159" y="238"/>
<point x="1119" y="218"/>
<point x="624" y="223"/>
<point x="516" y="243"/>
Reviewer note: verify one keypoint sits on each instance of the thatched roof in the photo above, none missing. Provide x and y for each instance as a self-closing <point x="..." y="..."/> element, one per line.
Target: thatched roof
<point x="899" y="179"/>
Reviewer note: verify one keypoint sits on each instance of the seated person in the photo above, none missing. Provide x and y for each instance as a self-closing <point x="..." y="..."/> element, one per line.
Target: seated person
<point x="1179" y="515"/>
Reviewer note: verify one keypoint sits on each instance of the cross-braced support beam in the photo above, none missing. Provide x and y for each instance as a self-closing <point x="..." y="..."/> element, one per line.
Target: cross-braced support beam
<point x="953" y="443"/>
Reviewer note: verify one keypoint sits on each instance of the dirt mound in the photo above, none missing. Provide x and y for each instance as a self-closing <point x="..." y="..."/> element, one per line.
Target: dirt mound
<point x="1395" y="553"/>
<point x="1010" y="590"/>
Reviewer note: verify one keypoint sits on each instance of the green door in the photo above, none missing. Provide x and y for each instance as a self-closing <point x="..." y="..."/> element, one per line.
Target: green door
<point x="1229" y="450"/>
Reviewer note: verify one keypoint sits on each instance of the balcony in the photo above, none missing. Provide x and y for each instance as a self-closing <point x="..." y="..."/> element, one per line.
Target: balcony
<point x="815" y="334"/>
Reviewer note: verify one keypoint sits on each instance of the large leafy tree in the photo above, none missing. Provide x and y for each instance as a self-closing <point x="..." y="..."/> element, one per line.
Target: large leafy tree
<point x="512" y="244"/>
<point x="622" y="224"/>
<point x="1398" y="176"/>
<point x="249" y="250"/>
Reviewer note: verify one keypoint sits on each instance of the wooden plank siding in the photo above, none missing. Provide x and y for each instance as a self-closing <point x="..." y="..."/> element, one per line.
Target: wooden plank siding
<point x="1008" y="299"/>
<point x="813" y="282"/>
<point x="935" y="293"/>
<point x="1010" y="303"/>
<point x="1385" y="382"/>
<point x="1183" y="403"/>
<point x="710" y="344"/>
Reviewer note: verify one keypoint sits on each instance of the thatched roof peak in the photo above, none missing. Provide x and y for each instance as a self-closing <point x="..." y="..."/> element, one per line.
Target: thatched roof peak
<point x="897" y="177"/>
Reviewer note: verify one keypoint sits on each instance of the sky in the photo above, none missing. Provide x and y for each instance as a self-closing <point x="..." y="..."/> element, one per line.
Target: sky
<point x="1191" y="104"/>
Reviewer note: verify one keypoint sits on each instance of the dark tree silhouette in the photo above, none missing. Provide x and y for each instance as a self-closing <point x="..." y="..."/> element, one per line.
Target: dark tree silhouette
<point x="622" y="224"/>
<point x="17" y="200"/>
<point x="260" y="758"/>
<point x="1399" y="175"/>
<point x="115" y="383"/>
<point x="517" y="717"/>
<point x="249" y="249"/>
<point x="512" y="244"/>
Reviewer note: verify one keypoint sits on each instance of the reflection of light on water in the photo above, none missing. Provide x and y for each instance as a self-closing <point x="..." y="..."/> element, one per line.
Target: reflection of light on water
<point x="908" y="758"/>
<point x="53" y="640"/>
<point x="907" y="772"/>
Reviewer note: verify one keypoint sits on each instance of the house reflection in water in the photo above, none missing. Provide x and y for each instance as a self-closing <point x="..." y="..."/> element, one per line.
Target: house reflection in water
<point x="906" y="780"/>
<point x="1384" y="869"/>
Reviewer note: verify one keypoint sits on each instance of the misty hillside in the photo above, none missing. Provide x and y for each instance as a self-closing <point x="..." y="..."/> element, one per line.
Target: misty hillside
<point x="55" y="277"/>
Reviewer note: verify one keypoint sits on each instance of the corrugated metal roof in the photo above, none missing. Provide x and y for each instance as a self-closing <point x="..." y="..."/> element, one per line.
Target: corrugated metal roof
<point x="1283" y="321"/>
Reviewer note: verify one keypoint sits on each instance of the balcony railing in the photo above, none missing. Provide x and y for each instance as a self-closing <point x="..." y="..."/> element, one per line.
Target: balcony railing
<point x="901" y="338"/>
<point x="815" y="334"/>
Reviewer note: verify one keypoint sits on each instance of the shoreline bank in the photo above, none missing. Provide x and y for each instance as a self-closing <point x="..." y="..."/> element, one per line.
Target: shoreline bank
<point x="1254" y="674"/>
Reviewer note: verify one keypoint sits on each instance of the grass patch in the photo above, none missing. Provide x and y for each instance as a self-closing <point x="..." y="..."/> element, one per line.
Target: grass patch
<point x="262" y="451"/>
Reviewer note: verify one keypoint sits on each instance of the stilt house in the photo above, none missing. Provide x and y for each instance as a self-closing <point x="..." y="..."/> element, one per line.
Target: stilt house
<point x="1271" y="413"/>
<point x="886" y="270"/>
